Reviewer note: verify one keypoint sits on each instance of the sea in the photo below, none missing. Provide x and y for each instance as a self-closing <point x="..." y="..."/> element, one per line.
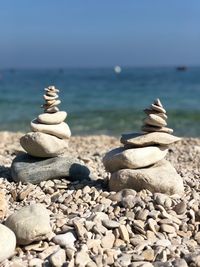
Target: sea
<point x="100" y="101"/>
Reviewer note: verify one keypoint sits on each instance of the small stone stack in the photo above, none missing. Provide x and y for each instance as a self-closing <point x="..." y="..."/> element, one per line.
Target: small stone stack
<point x="46" y="146"/>
<point x="50" y="134"/>
<point x="156" y="119"/>
<point x="140" y="164"/>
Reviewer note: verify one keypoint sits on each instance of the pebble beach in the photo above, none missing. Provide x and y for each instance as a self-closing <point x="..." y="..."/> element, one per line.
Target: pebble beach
<point x="91" y="226"/>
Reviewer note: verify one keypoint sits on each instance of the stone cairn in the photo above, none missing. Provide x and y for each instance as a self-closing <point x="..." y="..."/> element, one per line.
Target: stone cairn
<point x="50" y="134"/>
<point x="156" y="119"/>
<point x="46" y="146"/>
<point x="140" y="164"/>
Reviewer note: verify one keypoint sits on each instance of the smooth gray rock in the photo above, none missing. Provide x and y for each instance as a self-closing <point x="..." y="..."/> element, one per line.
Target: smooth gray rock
<point x="52" y="118"/>
<point x="60" y="130"/>
<point x="31" y="223"/>
<point x="161" y="177"/>
<point x="133" y="158"/>
<point x="155" y="120"/>
<point x="65" y="240"/>
<point x="58" y="258"/>
<point x="7" y="243"/>
<point x="142" y="140"/>
<point x="26" y="168"/>
<point x="43" y="145"/>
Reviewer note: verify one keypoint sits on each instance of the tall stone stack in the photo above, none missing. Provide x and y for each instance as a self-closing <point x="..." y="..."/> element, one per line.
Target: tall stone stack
<point x="46" y="145"/>
<point x="140" y="163"/>
<point x="50" y="134"/>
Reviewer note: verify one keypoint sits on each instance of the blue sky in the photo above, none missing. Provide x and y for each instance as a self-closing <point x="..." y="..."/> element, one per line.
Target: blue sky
<point x="87" y="33"/>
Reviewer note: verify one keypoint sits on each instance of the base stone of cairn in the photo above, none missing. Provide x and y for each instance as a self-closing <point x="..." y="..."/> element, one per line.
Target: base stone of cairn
<point x="140" y="164"/>
<point x="46" y="145"/>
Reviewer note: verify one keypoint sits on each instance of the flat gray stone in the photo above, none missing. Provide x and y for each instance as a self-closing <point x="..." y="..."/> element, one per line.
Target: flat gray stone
<point x="65" y="240"/>
<point x="161" y="177"/>
<point x="142" y="140"/>
<point x="150" y="129"/>
<point x="7" y="242"/>
<point x="133" y="158"/>
<point x="31" y="223"/>
<point x="26" y="168"/>
<point x="43" y="145"/>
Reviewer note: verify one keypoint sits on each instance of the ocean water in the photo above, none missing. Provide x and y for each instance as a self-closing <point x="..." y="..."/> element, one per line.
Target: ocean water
<point x="98" y="101"/>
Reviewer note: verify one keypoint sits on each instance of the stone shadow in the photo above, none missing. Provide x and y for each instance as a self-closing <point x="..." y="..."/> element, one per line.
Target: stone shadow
<point x="5" y="172"/>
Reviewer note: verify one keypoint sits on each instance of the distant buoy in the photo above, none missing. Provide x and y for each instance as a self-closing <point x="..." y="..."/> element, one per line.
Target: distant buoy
<point x="117" y="69"/>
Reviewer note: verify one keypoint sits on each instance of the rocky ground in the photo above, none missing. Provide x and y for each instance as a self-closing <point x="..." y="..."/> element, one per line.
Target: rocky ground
<point x="94" y="227"/>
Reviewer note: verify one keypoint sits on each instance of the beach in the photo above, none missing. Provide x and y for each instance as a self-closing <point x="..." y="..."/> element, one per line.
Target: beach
<point x="160" y="230"/>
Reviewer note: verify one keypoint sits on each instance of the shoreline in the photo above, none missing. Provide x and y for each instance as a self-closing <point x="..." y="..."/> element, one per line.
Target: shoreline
<point x="82" y="200"/>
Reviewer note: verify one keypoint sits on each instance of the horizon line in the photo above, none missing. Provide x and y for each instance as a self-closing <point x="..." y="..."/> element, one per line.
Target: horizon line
<point x="98" y="67"/>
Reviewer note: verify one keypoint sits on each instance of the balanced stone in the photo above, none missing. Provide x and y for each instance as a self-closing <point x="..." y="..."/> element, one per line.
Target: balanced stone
<point x="150" y="111"/>
<point x="46" y="97"/>
<point x="26" y="169"/>
<point x="148" y="139"/>
<point x="52" y="109"/>
<point x="161" y="177"/>
<point x="54" y="118"/>
<point x="49" y="93"/>
<point x="31" y="223"/>
<point x="52" y="88"/>
<point x="50" y="104"/>
<point x="43" y="145"/>
<point x="149" y="128"/>
<point x="155" y="120"/>
<point x="121" y="158"/>
<point x="60" y="130"/>
<point x="158" y="108"/>
<point x="7" y="243"/>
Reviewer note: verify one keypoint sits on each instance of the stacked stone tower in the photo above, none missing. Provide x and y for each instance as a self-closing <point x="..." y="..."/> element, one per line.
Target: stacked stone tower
<point x="46" y="147"/>
<point x="140" y="163"/>
<point x="50" y="134"/>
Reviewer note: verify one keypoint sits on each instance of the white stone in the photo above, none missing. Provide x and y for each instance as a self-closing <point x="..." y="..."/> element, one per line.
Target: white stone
<point x="157" y="108"/>
<point x="3" y="205"/>
<point x="65" y="240"/>
<point x="151" y="111"/>
<point x="134" y="158"/>
<point x="155" y="120"/>
<point x="161" y="177"/>
<point x="51" y="93"/>
<point x="51" y="110"/>
<point x="148" y="128"/>
<point x="7" y="243"/>
<point x="60" y="130"/>
<point x="54" y="118"/>
<point x="58" y="258"/>
<point x="54" y="103"/>
<point x="46" y="97"/>
<point x="43" y="145"/>
<point x="148" y="139"/>
<point x="31" y="223"/>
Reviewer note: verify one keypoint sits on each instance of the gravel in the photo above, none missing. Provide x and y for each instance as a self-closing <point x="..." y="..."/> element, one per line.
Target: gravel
<point x="124" y="229"/>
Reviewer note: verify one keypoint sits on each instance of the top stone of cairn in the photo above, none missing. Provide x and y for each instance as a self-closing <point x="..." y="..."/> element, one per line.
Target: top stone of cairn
<point x="156" y="119"/>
